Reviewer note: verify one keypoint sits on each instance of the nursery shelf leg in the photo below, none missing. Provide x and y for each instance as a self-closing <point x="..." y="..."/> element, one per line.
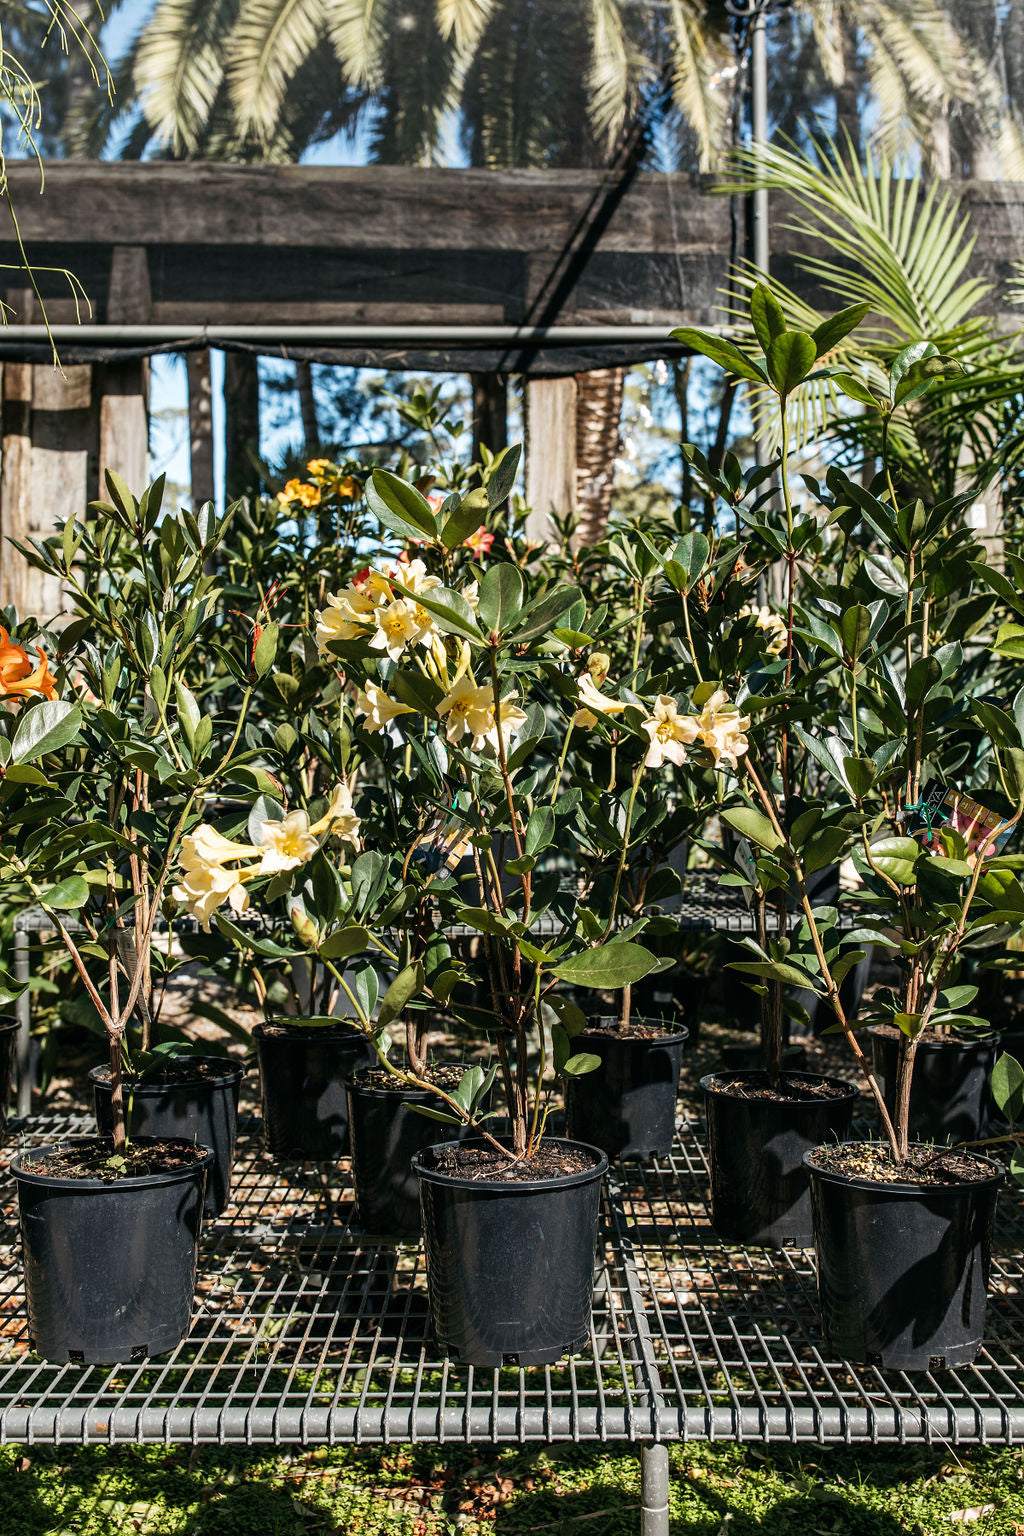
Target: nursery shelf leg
<point x="23" y="1013"/>
<point x="654" y="1490"/>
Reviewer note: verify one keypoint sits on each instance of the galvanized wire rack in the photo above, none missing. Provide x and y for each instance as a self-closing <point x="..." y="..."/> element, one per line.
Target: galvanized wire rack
<point x="307" y="1330"/>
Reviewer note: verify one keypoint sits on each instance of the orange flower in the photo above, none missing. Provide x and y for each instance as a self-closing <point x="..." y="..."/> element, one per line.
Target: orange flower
<point x="480" y="542"/>
<point x="298" y="490"/>
<point x="17" y="675"/>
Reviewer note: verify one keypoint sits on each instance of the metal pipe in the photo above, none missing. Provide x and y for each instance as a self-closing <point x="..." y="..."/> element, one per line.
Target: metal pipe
<point x="23" y="1013"/>
<point x="337" y="335"/>
<point x="759" y="130"/>
<point x="654" y="1490"/>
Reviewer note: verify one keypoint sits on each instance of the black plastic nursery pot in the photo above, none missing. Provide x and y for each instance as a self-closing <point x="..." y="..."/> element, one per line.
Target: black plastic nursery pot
<point x="304" y="1072"/>
<point x="510" y="1266"/>
<point x="110" y="1267"/>
<point x="385" y="1132"/>
<point x="903" y="1270"/>
<point x="756" y="1148"/>
<point x="950" y="1093"/>
<point x="8" y="1050"/>
<point x="198" y="1108"/>
<point x="627" y="1105"/>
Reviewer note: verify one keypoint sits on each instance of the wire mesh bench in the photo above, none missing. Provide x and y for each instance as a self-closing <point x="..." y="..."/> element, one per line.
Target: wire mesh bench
<point x="308" y="1331"/>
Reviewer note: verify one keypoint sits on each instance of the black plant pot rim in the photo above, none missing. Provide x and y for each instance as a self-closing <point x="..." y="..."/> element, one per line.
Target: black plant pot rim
<point x="405" y="1091"/>
<point x="30" y="1175"/>
<point x="8" y="1025"/>
<point x="233" y="1071"/>
<point x="295" y="1029"/>
<point x="955" y="1037"/>
<point x="712" y="1085"/>
<point x="671" y="1036"/>
<point x="503" y="1186"/>
<point x="924" y="1191"/>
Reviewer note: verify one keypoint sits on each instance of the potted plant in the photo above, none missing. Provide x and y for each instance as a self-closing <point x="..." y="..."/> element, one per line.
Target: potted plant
<point x="100" y="790"/>
<point x="471" y="669"/>
<point x="901" y="1228"/>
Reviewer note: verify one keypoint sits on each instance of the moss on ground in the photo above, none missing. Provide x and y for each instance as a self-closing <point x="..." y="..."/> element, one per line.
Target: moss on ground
<point x="720" y="1490"/>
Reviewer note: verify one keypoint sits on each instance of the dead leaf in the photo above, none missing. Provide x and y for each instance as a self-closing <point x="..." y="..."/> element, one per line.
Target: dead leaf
<point x="968" y="1516"/>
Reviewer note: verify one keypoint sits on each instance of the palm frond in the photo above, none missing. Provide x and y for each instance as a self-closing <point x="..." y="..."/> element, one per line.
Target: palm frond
<point x="179" y="67"/>
<point x="464" y="20"/>
<point x="609" y="73"/>
<point x="358" y="30"/>
<point x="696" y="78"/>
<point x="269" y="43"/>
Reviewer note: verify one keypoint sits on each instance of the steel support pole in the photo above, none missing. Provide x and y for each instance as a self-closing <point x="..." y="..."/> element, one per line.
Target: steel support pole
<point x="654" y="1490"/>
<point x="759" y="131"/>
<point x="23" y="1013"/>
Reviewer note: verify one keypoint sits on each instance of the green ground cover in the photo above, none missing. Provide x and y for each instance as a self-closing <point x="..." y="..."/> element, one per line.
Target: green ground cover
<point x="721" y="1490"/>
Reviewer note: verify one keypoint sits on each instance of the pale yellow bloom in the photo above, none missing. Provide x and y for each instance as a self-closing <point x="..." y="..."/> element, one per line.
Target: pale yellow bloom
<point x="286" y="844"/>
<point x="206" y="887"/>
<point x="487" y="723"/>
<point x="208" y="846"/>
<point x="348" y="615"/>
<point x="774" y="628"/>
<point x="339" y="818"/>
<point x="378" y="708"/>
<point x="598" y="666"/>
<point x="463" y="700"/>
<point x="398" y="627"/>
<point x="670" y="732"/>
<point x="721" y="729"/>
<point x="594" y="702"/>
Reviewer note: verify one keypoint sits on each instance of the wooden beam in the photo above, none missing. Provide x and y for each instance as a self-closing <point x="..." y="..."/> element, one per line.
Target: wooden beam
<point x="550" y="454"/>
<point x="200" y="426"/>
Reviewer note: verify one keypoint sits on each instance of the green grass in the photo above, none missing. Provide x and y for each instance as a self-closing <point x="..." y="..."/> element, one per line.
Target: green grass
<point x="721" y="1490"/>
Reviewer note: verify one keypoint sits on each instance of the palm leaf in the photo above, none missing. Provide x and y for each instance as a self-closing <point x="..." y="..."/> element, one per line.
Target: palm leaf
<point x="179" y="67"/>
<point x="358" y="30"/>
<point x="269" y="43"/>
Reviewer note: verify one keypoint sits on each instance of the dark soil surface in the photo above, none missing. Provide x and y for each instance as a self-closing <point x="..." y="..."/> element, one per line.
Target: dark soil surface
<point x="93" y="1160"/>
<point x="548" y="1162"/>
<point x="445" y="1074"/>
<point x="636" y="1029"/>
<point x="931" y="1036"/>
<point x="788" y="1089"/>
<point x="181" y="1069"/>
<point x="929" y="1167"/>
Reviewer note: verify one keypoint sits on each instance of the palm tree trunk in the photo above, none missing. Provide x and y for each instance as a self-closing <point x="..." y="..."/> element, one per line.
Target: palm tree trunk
<point x="307" y="407"/>
<point x="490" y="412"/>
<point x="241" y="424"/>
<point x="598" y="408"/>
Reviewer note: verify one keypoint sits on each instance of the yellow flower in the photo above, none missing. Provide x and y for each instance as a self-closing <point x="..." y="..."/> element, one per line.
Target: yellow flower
<point x="506" y="721"/>
<point x="287" y="843"/>
<point x="594" y="703"/>
<point x="207" y="883"/>
<point x="721" y="729"/>
<point x="319" y="467"/>
<point x="347" y="616"/>
<point x="464" y="700"/>
<point x="771" y="624"/>
<point x="298" y="490"/>
<point x="598" y="666"/>
<point x="378" y="708"/>
<point x="339" y="819"/>
<point x="208" y="846"/>
<point x="398" y="626"/>
<point x="670" y="732"/>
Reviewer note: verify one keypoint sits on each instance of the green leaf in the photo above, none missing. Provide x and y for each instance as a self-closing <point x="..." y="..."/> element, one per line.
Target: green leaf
<point x="561" y="1048"/>
<point x="910" y="1024"/>
<point x="405" y="985"/>
<point x="766" y="316"/>
<point x="790" y="359"/>
<point x="721" y="352"/>
<point x="831" y="331"/>
<point x="1009" y="641"/>
<point x="501" y="598"/>
<point x="266" y="650"/>
<point x="896" y="857"/>
<point x="921" y="375"/>
<point x="775" y="970"/>
<point x="400" y="506"/>
<point x="189" y="713"/>
<point x="689" y="557"/>
<point x="503" y="475"/>
<point x="860" y="774"/>
<point x="449" y="608"/>
<point x="540" y="829"/>
<point x="571" y="1015"/>
<point x="1008" y="1086"/>
<point x="753" y="825"/>
<point x="461" y="521"/>
<point x="45" y="727"/>
<point x="67" y="895"/>
<point x="854" y="628"/>
<point x="10" y="990"/>
<point x="618" y="963"/>
<point x="542" y="615"/>
<point x="344" y="941"/>
<point x="582" y="1063"/>
<point x="855" y="389"/>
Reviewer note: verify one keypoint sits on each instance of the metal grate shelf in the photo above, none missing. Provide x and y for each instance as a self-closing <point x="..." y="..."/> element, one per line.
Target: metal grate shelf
<point x="305" y="1330"/>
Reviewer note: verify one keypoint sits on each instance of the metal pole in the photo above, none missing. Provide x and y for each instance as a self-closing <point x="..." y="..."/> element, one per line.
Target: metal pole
<point x="332" y="335"/>
<point x="759" y="130"/>
<point x="654" y="1490"/>
<point x="23" y="1013"/>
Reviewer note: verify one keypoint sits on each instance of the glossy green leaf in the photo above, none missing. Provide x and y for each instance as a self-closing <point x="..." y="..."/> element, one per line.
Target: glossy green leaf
<point x="400" y="506"/>
<point x="617" y="963"/>
<point x="500" y="599"/>
<point x="45" y="727"/>
<point x="721" y="352"/>
<point x="753" y="825"/>
<point x="790" y="359"/>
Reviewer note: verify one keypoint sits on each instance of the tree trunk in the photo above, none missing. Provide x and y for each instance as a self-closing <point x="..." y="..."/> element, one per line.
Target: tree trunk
<point x="241" y="424"/>
<point x="200" y="426"/>
<point x="490" y="412"/>
<point x="307" y="407"/>
<point x="598" y="409"/>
